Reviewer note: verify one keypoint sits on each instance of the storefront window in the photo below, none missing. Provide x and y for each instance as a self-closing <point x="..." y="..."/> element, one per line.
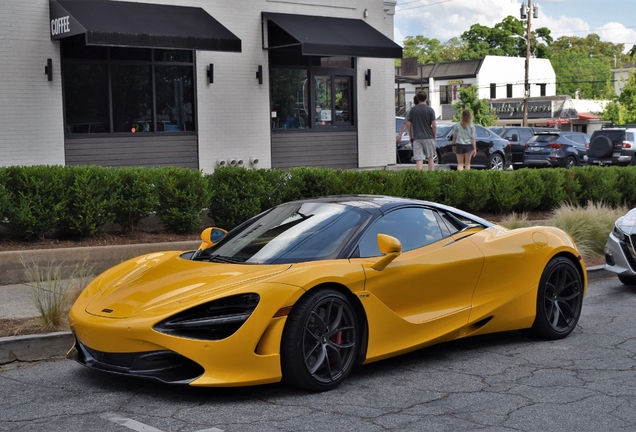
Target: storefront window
<point x="127" y="90"/>
<point x="310" y="92"/>
<point x="290" y="99"/>
<point x="86" y="114"/>
<point x="323" y="101"/>
<point x="132" y="98"/>
<point x="174" y="94"/>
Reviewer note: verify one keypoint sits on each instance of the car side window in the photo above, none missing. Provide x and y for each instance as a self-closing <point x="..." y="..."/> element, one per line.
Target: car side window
<point x="482" y="132"/>
<point x="526" y="134"/>
<point x="414" y="227"/>
<point x="510" y="133"/>
<point x="629" y="136"/>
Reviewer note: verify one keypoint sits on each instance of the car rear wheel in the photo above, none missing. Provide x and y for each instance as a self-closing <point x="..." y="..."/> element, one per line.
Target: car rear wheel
<point x="496" y="162"/>
<point x="627" y="280"/>
<point x="570" y="162"/>
<point x="320" y="341"/>
<point x="559" y="300"/>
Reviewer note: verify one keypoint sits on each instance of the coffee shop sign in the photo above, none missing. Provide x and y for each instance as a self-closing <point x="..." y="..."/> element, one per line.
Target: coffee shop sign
<point x="514" y="109"/>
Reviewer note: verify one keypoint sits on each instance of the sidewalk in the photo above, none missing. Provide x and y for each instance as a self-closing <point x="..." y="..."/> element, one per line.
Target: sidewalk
<point x="16" y="302"/>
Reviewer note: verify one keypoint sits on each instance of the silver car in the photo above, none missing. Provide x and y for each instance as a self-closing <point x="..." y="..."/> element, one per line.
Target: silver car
<point x="620" y="250"/>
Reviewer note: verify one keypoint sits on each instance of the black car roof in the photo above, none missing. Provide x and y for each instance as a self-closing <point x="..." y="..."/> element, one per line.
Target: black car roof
<point x="384" y="203"/>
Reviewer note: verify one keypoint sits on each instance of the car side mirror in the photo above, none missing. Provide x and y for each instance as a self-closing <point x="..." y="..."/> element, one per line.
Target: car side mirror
<point x="390" y="247"/>
<point x="212" y="236"/>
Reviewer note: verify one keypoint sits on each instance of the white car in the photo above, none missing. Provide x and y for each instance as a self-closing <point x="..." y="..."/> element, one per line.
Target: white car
<point x="620" y="250"/>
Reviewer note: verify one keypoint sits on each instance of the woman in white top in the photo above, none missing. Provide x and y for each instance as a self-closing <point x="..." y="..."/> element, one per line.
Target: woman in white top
<point x="464" y="143"/>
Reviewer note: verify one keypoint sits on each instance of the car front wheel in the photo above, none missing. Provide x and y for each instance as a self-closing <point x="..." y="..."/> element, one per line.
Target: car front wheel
<point x="570" y="162"/>
<point x="627" y="280"/>
<point x="559" y="300"/>
<point x="320" y="341"/>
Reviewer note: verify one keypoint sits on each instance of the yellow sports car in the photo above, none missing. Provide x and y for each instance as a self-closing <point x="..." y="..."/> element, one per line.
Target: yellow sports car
<point x="305" y="291"/>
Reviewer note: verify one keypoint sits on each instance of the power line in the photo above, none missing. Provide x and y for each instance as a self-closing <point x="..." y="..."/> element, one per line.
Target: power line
<point x="420" y="6"/>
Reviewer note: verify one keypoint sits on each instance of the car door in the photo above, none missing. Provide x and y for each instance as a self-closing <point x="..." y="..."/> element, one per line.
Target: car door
<point x="484" y="146"/>
<point x="578" y="145"/>
<point x="426" y="292"/>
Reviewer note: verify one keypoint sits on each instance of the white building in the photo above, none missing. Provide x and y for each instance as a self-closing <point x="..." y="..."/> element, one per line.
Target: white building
<point x="194" y="83"/>
<point x="499" y="79"/>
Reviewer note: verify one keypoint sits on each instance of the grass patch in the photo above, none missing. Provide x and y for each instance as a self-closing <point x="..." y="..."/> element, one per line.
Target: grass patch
<point x="515" y="221"/>
<point x="53" y="292"/>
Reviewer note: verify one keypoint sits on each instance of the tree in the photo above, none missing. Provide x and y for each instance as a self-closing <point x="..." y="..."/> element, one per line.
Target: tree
<point x="622" y="110"/>
<point x="585" y="64"/>
<point x="507" y="38"/>
<point x="432" y="50"/>
<point x="482" y="113"/>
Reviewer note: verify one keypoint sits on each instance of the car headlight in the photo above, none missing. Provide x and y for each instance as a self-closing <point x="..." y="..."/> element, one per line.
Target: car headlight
<point x="215" y="320"/>
<point x="618" y="233"/>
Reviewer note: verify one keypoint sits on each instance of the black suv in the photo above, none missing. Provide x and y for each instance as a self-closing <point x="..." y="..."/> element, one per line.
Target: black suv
<point x="518" y="137"/>
<point x="612" y="146"/>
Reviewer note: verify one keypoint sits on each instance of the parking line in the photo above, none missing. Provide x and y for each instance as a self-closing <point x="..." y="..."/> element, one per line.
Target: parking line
<point x="140" y="427"/>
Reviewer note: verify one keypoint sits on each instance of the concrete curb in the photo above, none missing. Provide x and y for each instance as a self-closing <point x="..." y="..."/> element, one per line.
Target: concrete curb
<point x="12" y="270"/>
<point x="43" y="347"/>
<point x="34" y="347"/>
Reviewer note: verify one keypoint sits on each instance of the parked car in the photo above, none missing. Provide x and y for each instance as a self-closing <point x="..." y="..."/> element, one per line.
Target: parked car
<point x="620" y="249"/>
<point x="612" y="146"/>
<point x="307" y="290"/>
<point x="493" y="152"/>
<point x="404" y="151"/>
<point x="518" y="137"/>
<point x="556" y="149"/>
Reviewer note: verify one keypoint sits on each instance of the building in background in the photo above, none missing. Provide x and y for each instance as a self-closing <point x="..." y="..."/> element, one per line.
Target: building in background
<point x="257" y="83"/>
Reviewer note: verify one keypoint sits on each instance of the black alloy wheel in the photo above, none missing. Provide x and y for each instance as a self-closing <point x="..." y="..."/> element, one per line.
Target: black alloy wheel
<point x="559" y="300"/>
<point x="320" y="341"/>
<point x="570" y="162"/>
<point x="496" y="162"/>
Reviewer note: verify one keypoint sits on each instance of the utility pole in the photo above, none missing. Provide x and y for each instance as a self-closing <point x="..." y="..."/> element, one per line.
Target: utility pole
<point x="526" y="13"/>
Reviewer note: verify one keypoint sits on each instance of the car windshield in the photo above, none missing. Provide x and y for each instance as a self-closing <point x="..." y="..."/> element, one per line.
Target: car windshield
<point x="543" y="138"/>
<point x="443" y="130"/>
<point x="497" y="130"/>
<point x="290" y="233"/>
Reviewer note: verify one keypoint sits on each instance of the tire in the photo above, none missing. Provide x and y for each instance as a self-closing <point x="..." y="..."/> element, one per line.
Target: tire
<point x="496" y="162"/>
<point x="627" y="280"/>
<point x="559" y="300"/>
<point x="320" y="341"/>
<point x="570" y="162"/>
<point x="600" y="147"/>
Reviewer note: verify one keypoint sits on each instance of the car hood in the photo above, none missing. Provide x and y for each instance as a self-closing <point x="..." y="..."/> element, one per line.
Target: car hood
<point x="627" y="223"/>
<point x="154" y="282"/>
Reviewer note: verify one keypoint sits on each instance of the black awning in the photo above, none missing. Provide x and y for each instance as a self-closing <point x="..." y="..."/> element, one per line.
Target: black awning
<point x="143" y="25"/>
<point x="327" y="36"/>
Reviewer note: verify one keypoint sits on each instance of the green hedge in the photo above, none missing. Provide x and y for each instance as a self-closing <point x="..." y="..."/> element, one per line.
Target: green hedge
<point x="36" y="201"/>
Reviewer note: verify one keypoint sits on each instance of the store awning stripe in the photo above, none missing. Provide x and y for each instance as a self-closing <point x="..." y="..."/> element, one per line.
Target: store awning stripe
<point x="327" y="36"/>
<point x="142" y="25"/>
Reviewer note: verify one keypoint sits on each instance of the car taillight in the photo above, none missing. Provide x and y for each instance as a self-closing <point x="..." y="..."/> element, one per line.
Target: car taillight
<point x="509" y="145"/>
<point x="555" y="146"/>
<point x="587" y="145"/>
<point x="626" y="144"/>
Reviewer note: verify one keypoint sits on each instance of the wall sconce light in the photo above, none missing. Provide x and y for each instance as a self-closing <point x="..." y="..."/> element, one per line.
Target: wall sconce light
<point x="231" y="162"/>
<point x="259" y="74"/>
<point x="211" y="74"/>
<point x="365" y="13"/>
<point x="239" y="162"/>
<point x="367" y="78"/>
<point x="48" y="69"/>
<point x="254" y="160"/>
<point x="221" y="162"/>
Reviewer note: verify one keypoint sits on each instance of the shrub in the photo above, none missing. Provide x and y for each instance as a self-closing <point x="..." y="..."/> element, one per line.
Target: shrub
<point x="316" y="181"/>
<point x="477" y="186"/>
<point x="424" y="185"/>
<point x="503" y="197"/>
<point x="134" y="197"/>
<point x="529" y="188"/>
<point x="554" y="191"/>
<point x="32" y="200"/>
<point x="598" y="184"/>
<point x="182" y="195"/>
<point x="237" y="194"/>
<point x="87" y="201"/>
<point x="626" y="185"/>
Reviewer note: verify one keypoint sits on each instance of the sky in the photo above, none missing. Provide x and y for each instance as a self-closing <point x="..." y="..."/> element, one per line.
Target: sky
<point x="613" y="20"/>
